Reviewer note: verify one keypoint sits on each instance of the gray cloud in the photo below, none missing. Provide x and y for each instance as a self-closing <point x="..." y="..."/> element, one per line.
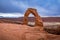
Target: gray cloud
<point x="44" y="7"/>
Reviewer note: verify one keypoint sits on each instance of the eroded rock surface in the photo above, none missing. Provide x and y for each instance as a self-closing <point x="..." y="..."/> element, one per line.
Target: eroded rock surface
<point x="20" y="32"/>
<point x="38" y="20"/>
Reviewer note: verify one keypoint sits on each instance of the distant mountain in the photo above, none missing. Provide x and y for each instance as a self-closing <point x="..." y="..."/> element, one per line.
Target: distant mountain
<point x="51" y="19"/>
<point x="1" y="16"/>
<point x="31" y="19"/>
<point x="7" y="17"/>
<point x="45" y="19"/>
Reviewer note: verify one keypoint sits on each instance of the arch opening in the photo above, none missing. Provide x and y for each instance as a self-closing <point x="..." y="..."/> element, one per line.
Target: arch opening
<point x="31" y="20"/>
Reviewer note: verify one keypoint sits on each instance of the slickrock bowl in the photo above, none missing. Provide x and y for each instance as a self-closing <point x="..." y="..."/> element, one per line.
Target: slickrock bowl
<point x="54" y="29"/>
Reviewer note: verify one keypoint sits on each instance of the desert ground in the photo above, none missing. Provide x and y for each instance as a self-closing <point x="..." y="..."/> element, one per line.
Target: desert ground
<point x="14" y="30"/>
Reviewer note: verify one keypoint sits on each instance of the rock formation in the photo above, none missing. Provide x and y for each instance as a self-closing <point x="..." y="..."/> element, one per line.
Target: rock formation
<point x="10" y="31"/>
<point x="38" y="20"/>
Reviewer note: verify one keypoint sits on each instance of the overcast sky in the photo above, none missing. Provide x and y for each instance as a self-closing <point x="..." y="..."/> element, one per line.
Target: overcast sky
<point x="16" y="8"/>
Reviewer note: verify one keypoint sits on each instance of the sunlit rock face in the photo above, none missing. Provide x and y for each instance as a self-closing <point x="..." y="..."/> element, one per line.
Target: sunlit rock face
<point x="21" y="32"/>
<point x="38" y="20"/>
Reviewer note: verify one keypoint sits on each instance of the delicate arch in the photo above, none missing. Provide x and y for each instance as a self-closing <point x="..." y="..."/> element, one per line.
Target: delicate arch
<point x="38" y="21"/>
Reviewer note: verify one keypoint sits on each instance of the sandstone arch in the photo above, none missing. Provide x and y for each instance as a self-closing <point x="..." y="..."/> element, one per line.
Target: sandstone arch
<point x="38" y="20"/>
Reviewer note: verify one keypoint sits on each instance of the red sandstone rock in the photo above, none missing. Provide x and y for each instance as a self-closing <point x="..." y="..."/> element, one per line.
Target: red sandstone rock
<point x="20" y="32"/>
<point x="38" y="20"/>
<point x="23" y="32"/>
